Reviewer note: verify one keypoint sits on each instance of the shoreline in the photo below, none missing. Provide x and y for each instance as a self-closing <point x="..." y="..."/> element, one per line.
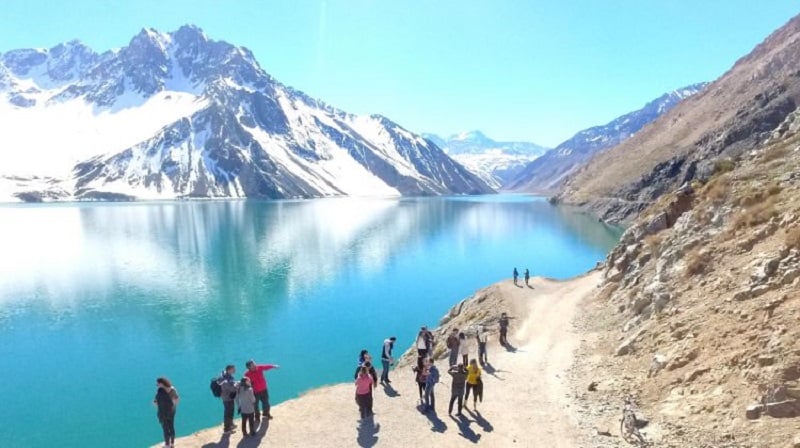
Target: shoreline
<point x="483" y="308"/>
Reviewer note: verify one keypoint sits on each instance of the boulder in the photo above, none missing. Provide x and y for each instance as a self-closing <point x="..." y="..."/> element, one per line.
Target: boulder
<point x="790" y="275"/>
<point x="743" y="294"/>
<point x="753" y="411"/>
<point x="626" y="347"/>
<point x="783" y="409"/>
<point x="657" y="224"/>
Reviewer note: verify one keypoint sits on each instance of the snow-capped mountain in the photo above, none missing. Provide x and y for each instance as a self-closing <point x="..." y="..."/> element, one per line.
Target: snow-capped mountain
<point x="494" y="162"/>
<point x="548" y="173"/>
<point x="175" y="115"/>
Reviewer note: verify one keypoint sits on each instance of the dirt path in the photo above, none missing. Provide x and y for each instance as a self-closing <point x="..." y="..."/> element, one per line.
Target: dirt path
<point x="525" y="392"/>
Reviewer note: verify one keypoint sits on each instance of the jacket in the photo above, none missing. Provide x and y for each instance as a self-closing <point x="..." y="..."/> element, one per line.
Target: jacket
<point x="257" y="379"/>
<point x="246" y="400"/>
<point x="433" y="376"/>
<point x="473" y="374"/>
<point x="229" y="387"/>
<point x="363" y="385"/>
<point x="386" y="352"/>
<point x="459" y="379"/>
<point x="165" y="400"/>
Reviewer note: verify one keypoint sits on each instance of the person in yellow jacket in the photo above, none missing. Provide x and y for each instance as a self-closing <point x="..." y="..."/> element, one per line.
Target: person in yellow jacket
<point x="474" y="383"/>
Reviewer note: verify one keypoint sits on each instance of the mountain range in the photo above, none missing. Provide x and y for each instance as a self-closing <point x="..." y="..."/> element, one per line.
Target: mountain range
<point x="179" y="115"/>
<point x="494" y="162"/>
<point x="548" y="173"/>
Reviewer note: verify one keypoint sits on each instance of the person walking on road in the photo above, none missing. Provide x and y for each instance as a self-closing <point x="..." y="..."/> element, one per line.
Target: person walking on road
<point x="386" y="358"/>
<point x="255" y="372"/>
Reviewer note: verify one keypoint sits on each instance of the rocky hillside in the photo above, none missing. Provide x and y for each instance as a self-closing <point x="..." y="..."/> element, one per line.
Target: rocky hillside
<point x="494" y="162"/>
<point x="736" y="113"/>
<point x="699" y="311"/>
<point x="548" y="173"/>
<point x="179" y="115"/>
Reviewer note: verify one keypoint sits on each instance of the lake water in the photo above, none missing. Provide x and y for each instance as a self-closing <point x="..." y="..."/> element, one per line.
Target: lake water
<point x="97" y="300"/>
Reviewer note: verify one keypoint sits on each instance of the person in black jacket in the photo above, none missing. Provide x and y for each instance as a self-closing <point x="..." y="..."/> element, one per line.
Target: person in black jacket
<point x="366" y="361"/>
<point x="166" y="401"/>
<point x="458" y="386"/>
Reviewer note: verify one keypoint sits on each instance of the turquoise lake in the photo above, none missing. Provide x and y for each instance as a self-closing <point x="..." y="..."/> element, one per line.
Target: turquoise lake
<point x="97" y="300"/>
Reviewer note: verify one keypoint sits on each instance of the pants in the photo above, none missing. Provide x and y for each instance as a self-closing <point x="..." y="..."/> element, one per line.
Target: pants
<point x="482" y="353"/>
<point x="453" y="356"/>
<point x="251" y="418"/>
<point x="421" y="387"/>
<point x="430" y="400"/>
<point x="477" y="392"/>
<point x="168" y="425"/>
<point x="464" y="360"/>
<point x="263" y="398"/>
<point x="456" y="394"/>
<point x="503" y="334"/>
<point x="385" y="372"/>
<point x="422" y="352"/>
<point x="364" y="403"/>
<point x="227" y="416"/>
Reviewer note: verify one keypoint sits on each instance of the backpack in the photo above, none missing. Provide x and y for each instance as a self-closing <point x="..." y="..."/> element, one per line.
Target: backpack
<point x="216" y="388"/>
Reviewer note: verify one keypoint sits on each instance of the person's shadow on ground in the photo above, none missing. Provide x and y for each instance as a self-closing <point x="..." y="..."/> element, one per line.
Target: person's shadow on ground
<point x="482" y="422"/>
<point x="367" y="432"/>
<point x="464" y="430"/>
<point x="437" y="425"/>
<point x="509" y="347"/>
<point x="224" y="442"/>
<point x="530" y="287"/>
<point x="390" y="391"/>
<point x="490" y="370"/>
<point x="255" y="440"/>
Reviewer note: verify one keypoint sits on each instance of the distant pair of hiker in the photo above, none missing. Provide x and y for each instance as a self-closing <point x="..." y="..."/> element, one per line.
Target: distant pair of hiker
<point x="248" y="393"/>
<point x="527" y="276"/>
<point x="458" y="344"/>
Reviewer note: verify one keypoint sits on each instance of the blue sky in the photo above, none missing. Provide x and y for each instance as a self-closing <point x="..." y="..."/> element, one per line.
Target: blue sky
<point x="516" y="69"/>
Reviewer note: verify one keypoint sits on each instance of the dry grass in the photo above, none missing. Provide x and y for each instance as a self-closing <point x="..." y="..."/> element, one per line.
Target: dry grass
<point x="755" y="194"/>
<point x="696" y="262"/>
<point x="775" y="153"/>
<point x="756" y="214"/>
<point x="653" y="243"/>
<point x="718" y="188"/>
<point x="722" y="166"/>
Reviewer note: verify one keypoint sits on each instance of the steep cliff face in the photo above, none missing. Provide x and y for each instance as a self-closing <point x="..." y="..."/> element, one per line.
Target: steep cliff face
<point x="733" y="115"/>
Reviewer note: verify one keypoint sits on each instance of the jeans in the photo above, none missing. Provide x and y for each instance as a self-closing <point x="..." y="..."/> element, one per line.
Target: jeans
<point x="251" y="418"/>
<point x="385" y="372"/>
<point x="168" y="425"/>
<point x="456" y="394"/>
<point x="430" y="400"/>
<point x="482" y="352"/>
<point x="453" y="356"/>
<point x="227" y="416"/>
<point x="263" y="398"/>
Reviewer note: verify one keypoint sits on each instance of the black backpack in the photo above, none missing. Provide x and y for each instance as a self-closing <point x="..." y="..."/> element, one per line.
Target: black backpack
<point x="216" y="388"/>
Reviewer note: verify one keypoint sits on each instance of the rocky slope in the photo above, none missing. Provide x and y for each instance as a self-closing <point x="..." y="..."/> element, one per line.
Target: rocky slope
<point x="175" y="115"/>
<point x="698" y="315"/>
<point x="494" y="162"/>
<point x="548" y="173"/>
<point x="736" y="113"/>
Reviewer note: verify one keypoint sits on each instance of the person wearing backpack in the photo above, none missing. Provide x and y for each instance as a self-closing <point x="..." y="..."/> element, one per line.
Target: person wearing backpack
<point x="452" y="345"/>
<point x="247" y="406"/>
<point x="166" y="401"/>
<point x="256" y="374"/>
<point x="228" y="387"/>
<point x="430" y="383"/>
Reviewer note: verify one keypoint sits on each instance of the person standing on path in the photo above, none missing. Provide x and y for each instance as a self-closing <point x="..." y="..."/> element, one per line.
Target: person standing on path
<point x="422" y="342"/>
<point x="474" y="383"/>
<point x="430" y="383"/>
<point x="420" y="375"/>
<point x="463" y="347"/>
<point x="386" y="358"/>
<point x="503" y="322"/>
<point x="364" y="393"/>
<point x="166" y="401"/>
<point x="248" y="406"/>
<point x="452" y="345"/>
<point x="516" y="276"/>
<point x="457" y="387"/>
<point x="366" y="361"/>
<point x="259" y="383"/>
<point x="527" y="276"/>
<point x="482" y="338"/>
<point x="228" y="386"/>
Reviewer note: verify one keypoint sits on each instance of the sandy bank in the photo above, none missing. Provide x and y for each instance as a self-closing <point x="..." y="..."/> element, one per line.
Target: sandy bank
<point x="526" y="396"/>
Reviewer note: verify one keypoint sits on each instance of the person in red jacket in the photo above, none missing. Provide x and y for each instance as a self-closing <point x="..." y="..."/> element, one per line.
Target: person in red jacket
<point x="256" y="374"/>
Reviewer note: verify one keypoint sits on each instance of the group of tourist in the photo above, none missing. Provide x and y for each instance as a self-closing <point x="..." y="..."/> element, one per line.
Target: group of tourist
<point x="466" y="374"/>
<point x="247" y="394"/>
<point x="250" y="392"/>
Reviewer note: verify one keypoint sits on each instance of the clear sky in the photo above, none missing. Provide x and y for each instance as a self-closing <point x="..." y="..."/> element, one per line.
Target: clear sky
<point x="515" y="69"/>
